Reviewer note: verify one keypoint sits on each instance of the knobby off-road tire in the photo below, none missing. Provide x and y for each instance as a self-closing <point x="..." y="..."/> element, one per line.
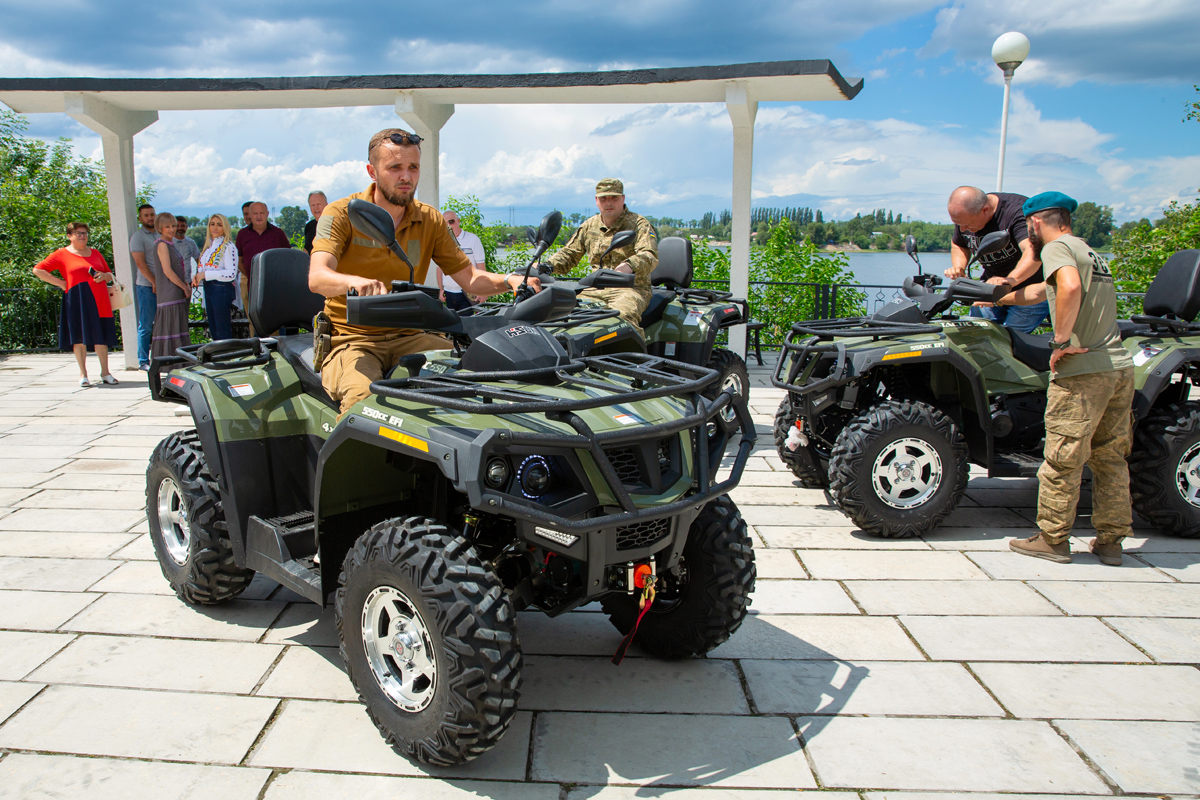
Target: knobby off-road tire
<point x="899" y="469"/>
<point x="187" y="524"/>
<point x="1166" y="450"/>
<point x="701" y="608"/>
<point x="803" y="463"/>
<point x="412" y="592"/>
<point x="731" y="373"/>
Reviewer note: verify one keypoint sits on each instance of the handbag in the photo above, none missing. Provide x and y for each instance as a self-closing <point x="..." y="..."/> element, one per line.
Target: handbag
<point x="118" y="295"/>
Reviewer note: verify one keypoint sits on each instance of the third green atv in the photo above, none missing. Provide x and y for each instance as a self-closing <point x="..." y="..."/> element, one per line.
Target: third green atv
<point x="888" y="411"/>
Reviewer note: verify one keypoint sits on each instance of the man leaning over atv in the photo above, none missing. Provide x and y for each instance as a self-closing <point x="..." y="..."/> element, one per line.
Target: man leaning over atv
<point x="344" y="260"/>
<point x="592" y="239"/>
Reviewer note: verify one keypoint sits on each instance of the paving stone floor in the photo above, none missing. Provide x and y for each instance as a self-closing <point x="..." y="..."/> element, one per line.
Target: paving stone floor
<point x="869" y="668"/>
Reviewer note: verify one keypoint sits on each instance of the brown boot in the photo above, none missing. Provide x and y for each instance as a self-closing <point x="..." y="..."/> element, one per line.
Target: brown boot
<point x="1107" y="553"/>
<point x="1038" y="547"/>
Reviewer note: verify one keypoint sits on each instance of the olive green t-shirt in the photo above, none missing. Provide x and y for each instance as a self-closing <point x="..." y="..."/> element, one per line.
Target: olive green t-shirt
<point x="1096" y="326"/>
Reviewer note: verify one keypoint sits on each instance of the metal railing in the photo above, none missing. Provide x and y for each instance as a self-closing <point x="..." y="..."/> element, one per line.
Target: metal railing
<point x="28" y="321"/>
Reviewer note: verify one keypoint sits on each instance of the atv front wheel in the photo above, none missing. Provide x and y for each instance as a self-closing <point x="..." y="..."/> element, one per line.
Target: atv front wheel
<point x="1164" y="469"/>
<point x="704" y="600"/>
<point x="429" y="639"/>
<point x="731" y="374"/>
<point x="899" y="468"/>
<point x="803" y="463"/>
<point x="187" y="524"/>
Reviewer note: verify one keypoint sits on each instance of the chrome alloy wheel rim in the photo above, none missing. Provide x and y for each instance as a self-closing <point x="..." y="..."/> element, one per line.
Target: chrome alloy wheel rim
<point x="173" y="521"/>
<point x="1187" y="475"/>
<point x="399" y="649"/>
<point x="733" y="382"/>
<point x="907" y="473"/>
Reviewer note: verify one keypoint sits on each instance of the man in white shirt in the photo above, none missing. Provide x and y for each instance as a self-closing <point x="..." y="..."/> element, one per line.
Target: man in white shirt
<point x="450" y="292"/>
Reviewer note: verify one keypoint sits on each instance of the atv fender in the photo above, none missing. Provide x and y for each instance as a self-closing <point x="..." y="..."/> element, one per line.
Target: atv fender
<point x="1158" y="378"/>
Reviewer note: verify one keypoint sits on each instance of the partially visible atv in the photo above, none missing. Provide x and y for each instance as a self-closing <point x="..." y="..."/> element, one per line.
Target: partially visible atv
<point x="681" y="322"/>
<point x="888" y="411"/>
<point x="473" y="483"/>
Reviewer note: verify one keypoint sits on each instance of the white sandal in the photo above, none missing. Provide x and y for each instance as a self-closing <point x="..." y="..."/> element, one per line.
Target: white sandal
<point x="109" y="379"/>
<point x="84" y="383"/>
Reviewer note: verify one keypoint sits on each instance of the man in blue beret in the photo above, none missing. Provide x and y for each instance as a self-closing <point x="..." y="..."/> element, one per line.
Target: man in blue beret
<point x="1091" y="388"/>
<point x="976" y="213"/>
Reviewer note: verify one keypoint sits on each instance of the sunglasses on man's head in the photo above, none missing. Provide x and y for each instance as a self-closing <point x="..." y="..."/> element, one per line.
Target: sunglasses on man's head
<point x="404" y="139"/>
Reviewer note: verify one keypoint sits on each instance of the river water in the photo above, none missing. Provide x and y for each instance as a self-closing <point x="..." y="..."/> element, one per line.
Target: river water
<point x="891" y="268"/>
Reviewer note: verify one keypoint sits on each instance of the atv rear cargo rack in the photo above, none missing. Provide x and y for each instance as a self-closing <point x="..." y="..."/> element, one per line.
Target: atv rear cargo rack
<point x="815" y="340"/>
<point x="222" y="354"/>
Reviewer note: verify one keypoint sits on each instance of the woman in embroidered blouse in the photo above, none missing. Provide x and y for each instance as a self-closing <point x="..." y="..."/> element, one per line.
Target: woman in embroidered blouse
<point x="86" y="322"/>
<point x="218" y="270"/>
<point x="172" y="293"/>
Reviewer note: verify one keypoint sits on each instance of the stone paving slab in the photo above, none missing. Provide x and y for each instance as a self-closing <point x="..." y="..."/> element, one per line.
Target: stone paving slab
<point x="82" y="720"/>
<point x="306" y="624"/>
<point x="819" y="637"/>
<point x="1084" y="566"/>
<point x="1149" y="757"/>
<point x="640" y="685"/>
<point x="1094" y="691"/>
<point x="61" y="544"/>
<point x="1169" y="640"/>
<point x="617" y="792"/>
<point x="14" y="695"/>
<point x="801" y="597"/>
<point x="778" y="564"/>
<point x="889" y="688"/>
<point x="315" y="673"/>
<point x="657" y="750"/>
<point x="154" y="615"/>
<point x="40" y="611"/>
<point x="296" y="785"/>
<point x="948" y="537"/>
<point x="831" y="537"/>
<point x="299" y="738"/>
<point x="965" y="598"/>
<point x="1103" y="599"/>
<point x="876" y="565"/>
<point x="84" y="520"/>
<point x="137" y="577"/>
<point x="1180" y="566"/>
<point x="170" y="664"/>
<point x="99" y="500"/>
<point x="28" y="776"/>
<point x="1019" y="639"/>
<point x="945" y="755"/>
<point x="53" y="574"/>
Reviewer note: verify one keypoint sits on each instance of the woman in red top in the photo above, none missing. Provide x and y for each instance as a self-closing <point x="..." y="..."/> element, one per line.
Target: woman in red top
<point x="86" y="322"/>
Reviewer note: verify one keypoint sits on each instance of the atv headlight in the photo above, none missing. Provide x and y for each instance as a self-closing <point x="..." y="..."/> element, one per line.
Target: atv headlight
<point x="497" y="473"/>
<point x="534" y="477"/>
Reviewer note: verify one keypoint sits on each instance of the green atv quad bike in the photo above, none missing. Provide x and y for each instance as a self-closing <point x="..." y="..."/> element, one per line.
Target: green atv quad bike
<point x="509" y="473"/>
<point x="681" y="322"/>
<point x="888" y="411"/>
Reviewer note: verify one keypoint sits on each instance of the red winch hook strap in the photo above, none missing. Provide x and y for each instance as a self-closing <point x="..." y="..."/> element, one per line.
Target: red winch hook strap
<point x="646" y="600"/>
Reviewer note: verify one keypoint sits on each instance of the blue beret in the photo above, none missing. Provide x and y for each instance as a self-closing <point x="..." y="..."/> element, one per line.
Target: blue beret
<point x="1040" y="202"/>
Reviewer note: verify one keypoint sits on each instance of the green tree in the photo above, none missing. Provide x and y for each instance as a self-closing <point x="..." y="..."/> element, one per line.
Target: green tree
<point x="1140" y="251"/>
<point x="1093" y="223"/>
<point x="467" y="208"/>
<point x="292" y="219"/>
<point x="1192" y="109"/>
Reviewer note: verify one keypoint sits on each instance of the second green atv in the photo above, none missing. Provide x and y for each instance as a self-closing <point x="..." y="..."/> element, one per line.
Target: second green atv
<point x="887" y="412"/>
<point x="505" y="474"/>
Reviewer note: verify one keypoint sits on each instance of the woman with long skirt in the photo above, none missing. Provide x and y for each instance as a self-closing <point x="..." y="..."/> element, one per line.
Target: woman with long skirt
<point x="172" y="292"/>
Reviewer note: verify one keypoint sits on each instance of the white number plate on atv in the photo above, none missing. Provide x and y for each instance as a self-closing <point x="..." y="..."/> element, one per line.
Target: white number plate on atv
<point x="693" y="317"/>
<point x="1145" y="354"/>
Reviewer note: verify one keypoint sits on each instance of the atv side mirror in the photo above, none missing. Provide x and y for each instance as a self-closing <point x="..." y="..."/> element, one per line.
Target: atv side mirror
<point x="531" y="235"/>
<point x="996" y="240"/>
<point x="620" y="239"/>
<point x="910" y="245"/>
<point x="375" y="223"/>
<point x="547" y="232"/>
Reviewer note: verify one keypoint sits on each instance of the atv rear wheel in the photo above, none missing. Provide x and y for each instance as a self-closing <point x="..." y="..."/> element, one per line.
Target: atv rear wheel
<point x="731" y="374"/>
<point x="1164" y="469"/>
<point x="429" y="639"/>
<point x="701" y="603"/>
<point x="899" y="468"/>
<point x="187" y="524"/>
<point x="803" y="463"/>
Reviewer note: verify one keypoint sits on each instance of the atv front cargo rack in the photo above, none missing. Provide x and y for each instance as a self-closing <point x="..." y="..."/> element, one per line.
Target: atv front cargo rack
<point x="811" y="340"/>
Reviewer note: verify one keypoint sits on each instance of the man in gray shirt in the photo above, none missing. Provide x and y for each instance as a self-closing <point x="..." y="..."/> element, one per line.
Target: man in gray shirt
<point x="188" y="250"/>
<point x="145" y="262"/>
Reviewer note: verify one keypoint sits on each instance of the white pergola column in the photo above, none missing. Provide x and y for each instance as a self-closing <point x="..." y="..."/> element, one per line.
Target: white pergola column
<point x="426" y="119"/>
<point x="742" y="110"/>
<point x="116" y="127"/>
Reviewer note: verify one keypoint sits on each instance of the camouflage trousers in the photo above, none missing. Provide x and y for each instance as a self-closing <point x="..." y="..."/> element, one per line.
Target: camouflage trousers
<point x="629" y="303"/>
<point x="1088" y="421"/>
<point x="356" y="360"/>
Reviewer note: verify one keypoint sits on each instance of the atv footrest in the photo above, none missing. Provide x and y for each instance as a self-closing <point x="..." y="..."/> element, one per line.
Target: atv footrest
<point x="1014" y="465"/>
<point x="282" y="548"/>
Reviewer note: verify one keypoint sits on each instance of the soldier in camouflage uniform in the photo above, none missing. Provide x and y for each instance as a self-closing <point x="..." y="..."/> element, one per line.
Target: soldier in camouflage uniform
<point x="592" y="238"/>
<point x="1088" y="405"/>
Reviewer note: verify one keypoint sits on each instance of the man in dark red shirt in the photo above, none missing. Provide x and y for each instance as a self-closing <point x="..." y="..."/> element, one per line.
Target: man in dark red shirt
<point x="259" y="236"/>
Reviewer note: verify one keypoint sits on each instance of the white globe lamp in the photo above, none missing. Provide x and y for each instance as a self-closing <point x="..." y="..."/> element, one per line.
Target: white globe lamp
<point x="1008" y="51"/>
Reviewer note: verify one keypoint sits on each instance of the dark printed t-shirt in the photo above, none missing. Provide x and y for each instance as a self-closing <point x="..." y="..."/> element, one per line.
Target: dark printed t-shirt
<point x="1008" y="217"/>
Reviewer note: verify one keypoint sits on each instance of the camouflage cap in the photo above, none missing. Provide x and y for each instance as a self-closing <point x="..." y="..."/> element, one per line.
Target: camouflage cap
<point x="610" y="187"/>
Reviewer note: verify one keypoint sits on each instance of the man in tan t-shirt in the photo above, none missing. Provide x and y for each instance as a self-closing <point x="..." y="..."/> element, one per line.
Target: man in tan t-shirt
<point x="1091" y="389"/>
<point x="344" y="259"/>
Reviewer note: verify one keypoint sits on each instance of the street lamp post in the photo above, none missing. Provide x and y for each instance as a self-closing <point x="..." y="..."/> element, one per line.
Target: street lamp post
<point x="1008" y="52"/>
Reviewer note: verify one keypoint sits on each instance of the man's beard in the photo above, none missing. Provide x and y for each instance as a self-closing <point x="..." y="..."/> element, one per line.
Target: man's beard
<point x="395" y="198"/>
<point x="1036" y="244"/>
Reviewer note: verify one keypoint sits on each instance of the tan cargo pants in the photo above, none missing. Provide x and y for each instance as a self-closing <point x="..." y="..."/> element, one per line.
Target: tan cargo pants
<point x="1088" y="421"/>
<point x="629" y="303"/>
<point x="355" y="360"/>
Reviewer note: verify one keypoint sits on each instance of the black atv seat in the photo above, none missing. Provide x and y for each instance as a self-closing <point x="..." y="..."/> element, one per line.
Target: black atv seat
<point x="298" y="352"/>
<point x="279" y="293"/>
<point x="659" y="300"/>
<point x="1175" y="290"/>
<point x="1031" y="349"/>
<point x="674" y="270"/>
<point x="1130" y="328"/>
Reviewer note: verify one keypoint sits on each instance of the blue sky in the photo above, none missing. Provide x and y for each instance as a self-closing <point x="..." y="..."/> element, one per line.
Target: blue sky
<point x="1096" y="109"/>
